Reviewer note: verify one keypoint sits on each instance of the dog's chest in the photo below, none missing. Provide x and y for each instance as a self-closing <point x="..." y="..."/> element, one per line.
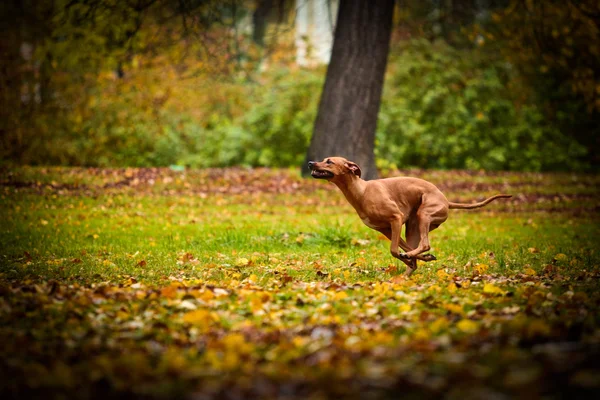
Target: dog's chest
<point x="373" y="224"/>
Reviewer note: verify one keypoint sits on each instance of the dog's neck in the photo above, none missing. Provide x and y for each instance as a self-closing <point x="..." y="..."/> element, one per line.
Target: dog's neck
<point x="353" y="189"/>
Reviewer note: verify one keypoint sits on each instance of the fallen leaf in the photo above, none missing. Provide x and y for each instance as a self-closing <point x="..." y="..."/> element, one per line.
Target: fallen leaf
<point x="242" y="262"/>
<point x="170" y="292"/>
<point x="561" y="257"/>
<point x="201" y="318"/>
<point x="467" y="326"/>
<point x="187" y="305"/>
<point x="439" y="325"/>
<point x="452" y="287"/>
<point x="480" y="268"/>
<point x="441" y="274"/>
<point x="340" y="296"/>
<point x="454" y="308"/>
<point x="491" y="289"/>
<point x="391" y="269"/>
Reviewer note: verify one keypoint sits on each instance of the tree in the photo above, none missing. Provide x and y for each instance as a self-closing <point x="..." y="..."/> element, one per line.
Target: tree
<point x="347" y="116"/>
<point x="259" y="21"/>
<point x="554" y="46"/>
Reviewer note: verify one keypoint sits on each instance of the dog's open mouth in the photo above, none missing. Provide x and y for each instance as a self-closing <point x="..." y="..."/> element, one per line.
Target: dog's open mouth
<point x="321" y="174"/>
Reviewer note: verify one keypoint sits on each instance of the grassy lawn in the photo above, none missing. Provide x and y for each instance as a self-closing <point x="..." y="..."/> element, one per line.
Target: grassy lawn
<point x="256" y="283"/>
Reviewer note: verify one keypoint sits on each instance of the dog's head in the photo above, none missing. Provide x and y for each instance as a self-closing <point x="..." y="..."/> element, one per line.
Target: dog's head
<point x="332" y="167"/>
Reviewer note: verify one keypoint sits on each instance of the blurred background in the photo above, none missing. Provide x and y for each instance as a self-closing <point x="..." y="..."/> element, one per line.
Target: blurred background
<point x="475" y="84"/>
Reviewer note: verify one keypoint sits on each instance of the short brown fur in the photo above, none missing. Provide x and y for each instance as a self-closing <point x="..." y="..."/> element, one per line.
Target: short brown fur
<point x="387" y="204"/>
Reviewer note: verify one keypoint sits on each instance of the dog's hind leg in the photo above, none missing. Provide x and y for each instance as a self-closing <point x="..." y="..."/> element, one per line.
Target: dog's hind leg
<point x="429" y="217"/>
<point x="413" y="237"/>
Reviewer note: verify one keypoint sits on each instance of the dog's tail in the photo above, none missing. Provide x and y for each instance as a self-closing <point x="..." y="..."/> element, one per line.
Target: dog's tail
<point x="462" y="206"/>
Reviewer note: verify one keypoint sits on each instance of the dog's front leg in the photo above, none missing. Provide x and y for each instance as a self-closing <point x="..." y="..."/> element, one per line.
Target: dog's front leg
<point x="397" y="241"/>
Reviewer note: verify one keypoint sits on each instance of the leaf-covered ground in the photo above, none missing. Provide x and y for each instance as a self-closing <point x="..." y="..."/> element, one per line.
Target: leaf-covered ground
<point x="243" y="283"/>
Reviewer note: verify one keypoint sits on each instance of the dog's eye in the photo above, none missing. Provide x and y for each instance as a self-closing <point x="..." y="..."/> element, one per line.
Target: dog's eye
<point x="328" y="162"/>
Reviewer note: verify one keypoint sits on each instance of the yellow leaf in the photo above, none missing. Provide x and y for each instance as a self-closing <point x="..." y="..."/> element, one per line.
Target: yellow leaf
<point x="200" y="318"/>
<point x="441" y="274"/>
<point x="529" y="271"/>
<point x="452" y="287"/>
<point x="404" y="307"/>
<point x="207" y="295"/>
<point x="561" y="257"/>
<point x="174" y="359"/>
<point x="454" y="308"/>
<point x="257" y="300"/>
<point x="256" y="304"/>
<point x="242" y="262"/>
<point x="467" y="326"/>
<point x="122" y="315"/>
<point x="299" y="341"/>
<point x="491" y="289"/>
<point x="340" y="296"/>
<point x="481" y="268"/>
<point x="238" y="343"/>
<point x="435" y="288"/>
<point x="439" y="325"/>
<point x="231" y="360"/>
<point x="422" y="334"/>
<point x="382" y="338"/>
<point x="533" y="250"/>
<point x="170" y="292"/>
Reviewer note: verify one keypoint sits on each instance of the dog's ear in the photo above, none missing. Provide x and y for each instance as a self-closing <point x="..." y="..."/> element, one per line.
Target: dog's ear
<point x="354" y="168"/>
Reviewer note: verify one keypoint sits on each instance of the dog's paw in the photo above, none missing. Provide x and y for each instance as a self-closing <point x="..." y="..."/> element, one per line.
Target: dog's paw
<point x="429" y="257"/>
<point x="404" y="256"/>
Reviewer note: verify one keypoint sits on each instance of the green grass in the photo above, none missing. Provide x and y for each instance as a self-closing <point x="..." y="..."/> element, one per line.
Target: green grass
<point x="114" y="228"/>
<point x="258" y="283"/>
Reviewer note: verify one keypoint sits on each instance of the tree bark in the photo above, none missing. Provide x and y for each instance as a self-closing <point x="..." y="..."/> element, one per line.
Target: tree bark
<point x="259" y="21"/>
<point x="11" y="73"/>
<point x="347" y="115"/>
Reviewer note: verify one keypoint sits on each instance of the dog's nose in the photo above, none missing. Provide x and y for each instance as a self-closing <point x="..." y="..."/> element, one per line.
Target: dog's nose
<point x="311" y="164"/>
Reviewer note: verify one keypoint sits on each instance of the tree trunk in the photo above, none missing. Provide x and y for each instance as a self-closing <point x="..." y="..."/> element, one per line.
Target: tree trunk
<point x="11" y="73"/>
<point x="347" y="116"/>
<point x="259" y="21"/>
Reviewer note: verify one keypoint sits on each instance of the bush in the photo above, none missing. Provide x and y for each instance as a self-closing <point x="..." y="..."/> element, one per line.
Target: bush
<point x="447" y="108"/>
<point x="441" y="108"/>
<point x="275" y="131"/>
<point x="122" y="126"/>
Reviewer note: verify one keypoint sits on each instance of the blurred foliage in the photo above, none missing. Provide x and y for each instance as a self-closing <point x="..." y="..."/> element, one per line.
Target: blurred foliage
<point x="555" y="47"/>
<point x="131" y="122"/>
<point x="512" y="85"/>
<point x="451" y="108"/>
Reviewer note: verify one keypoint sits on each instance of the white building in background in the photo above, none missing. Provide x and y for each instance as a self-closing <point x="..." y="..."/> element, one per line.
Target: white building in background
<point x="315" y="24"/>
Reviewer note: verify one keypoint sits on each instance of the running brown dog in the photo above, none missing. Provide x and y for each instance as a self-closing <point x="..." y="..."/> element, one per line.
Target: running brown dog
<point x="387" y="204"/>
